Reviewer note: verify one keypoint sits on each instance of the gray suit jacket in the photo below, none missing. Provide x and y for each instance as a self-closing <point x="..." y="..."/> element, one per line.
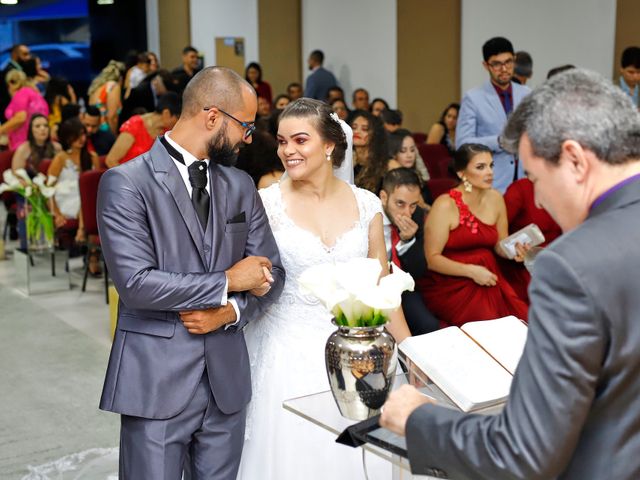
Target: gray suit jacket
<point x="481" y="120"/>
<point x="162" y="263"/>
<point x="574" y="407"/>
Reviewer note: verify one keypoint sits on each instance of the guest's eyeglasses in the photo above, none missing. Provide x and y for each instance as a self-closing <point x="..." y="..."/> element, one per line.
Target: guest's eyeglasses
<point x="249" y="126"/>
<point x="500" y="65"/>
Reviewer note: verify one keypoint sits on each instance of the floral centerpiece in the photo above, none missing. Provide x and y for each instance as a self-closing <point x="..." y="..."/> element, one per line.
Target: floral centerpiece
<point x="360" y="357"/>
<point x="36" y="192"/>
<point x="354" y="292"/>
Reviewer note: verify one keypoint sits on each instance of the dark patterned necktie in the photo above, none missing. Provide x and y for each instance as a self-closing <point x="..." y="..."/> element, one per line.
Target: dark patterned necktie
<point x="199" y="195"/>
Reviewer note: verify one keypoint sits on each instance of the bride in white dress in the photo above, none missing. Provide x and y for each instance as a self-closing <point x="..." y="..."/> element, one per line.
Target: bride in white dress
<point x="316" y="218"/>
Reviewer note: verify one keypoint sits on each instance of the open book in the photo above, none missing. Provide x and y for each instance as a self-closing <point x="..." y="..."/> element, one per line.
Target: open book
<point x="472" y="365"/>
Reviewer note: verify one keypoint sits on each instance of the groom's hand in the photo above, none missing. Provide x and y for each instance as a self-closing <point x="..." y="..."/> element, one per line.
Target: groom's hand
<point x="200" y="322"/>
<point x="250" y="273"/>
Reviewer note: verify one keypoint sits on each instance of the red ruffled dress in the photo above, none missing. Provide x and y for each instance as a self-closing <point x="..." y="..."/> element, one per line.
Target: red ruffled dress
<point x="457" y="300"/>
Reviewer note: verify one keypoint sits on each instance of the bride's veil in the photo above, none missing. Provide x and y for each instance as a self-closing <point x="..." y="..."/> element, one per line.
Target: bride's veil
<point x="345" y="171"/>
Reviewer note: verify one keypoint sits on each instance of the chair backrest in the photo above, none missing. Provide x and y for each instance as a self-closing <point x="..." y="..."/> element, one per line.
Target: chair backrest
<point x="436" y="157"/>
<point x="44" y="165"/>
<point x="5" y="164"/>
<point x="438" y="186"/>
<point x="419" y="137"/>
<point x="89" y="182"/>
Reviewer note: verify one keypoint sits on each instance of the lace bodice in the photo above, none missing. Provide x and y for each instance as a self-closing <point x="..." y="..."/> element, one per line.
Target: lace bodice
<point x="300" y="248"/>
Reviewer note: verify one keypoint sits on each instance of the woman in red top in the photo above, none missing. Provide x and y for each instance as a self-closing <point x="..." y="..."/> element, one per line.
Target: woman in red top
<point x="139" y="132"/>
<point x="462" y="232"/>
<point x="253" y="75"/>
<point x="522" y="211"/>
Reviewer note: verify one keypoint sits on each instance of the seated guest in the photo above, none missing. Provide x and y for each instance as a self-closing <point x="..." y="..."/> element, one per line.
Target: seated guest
<point x="339" y="106"/>
<point x="404" y="153"/>
<point x="391" y="120"/>
<point x="65" y="169"/>
<point x="522" y="211"/>
<point x="360" y="99"/>
<point x="260" y="159"/>
<point x="25" y="102"/>
<point x="29" y="156"/>
<point x="253" y="75"/>
<point x="105" y="93"/>
<point x="378" y="105"/>
<point x="403" y="222"/>
<point x="98" y="141"/>
<point x="294" y="91"/>
<point x="444" y="131"/>
<point x="38" y="147"/>
<point x="335" y="93"/>
<point x="264" y="108"/>
<point x="370" y="153"/>
<point x="461" y="238"/>
<point x="139" y="132"/>
<point x="281" y="101"/>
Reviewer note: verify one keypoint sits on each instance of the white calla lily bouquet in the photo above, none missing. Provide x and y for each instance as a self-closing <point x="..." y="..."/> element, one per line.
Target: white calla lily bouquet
<point x="36" y="192"/>
<point x="354" y="292"/>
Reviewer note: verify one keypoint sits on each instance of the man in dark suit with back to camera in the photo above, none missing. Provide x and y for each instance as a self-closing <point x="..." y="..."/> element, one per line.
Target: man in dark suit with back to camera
<point x="191" y="253"/>
<point x="403" y="224"/>
<point x="573" y="411"/>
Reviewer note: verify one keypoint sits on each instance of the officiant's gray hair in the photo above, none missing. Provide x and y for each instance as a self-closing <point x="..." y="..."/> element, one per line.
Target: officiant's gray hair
<point x="577" y="105"/>
<point x="213" y="86"/>
<point x="328" y="127"/>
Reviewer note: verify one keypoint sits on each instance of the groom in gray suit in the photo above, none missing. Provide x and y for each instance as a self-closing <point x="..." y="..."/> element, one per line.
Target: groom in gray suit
<point x="191" y="253"/>
<point x="574" y="409"/>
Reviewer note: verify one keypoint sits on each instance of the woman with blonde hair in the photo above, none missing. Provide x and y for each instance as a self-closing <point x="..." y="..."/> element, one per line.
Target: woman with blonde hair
<point x="25" y="102"/>
<point x="105" y="93"/>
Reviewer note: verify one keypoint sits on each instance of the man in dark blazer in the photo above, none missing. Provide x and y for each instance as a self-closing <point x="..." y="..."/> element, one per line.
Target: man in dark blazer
<point x="574" y="409"/>
<point x="403" y="223"/>
<point x="189" y="247"/>
<point x="320" y="80"/>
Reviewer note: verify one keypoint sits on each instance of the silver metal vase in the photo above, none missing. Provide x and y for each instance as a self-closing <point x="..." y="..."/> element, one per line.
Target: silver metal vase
<point x="361" y="365"/>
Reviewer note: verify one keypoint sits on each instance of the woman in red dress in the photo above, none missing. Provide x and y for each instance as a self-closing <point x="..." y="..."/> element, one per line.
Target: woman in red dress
<point x="139" y="132"/>
<point x="462" y="233"/>
<point x="522" y="211"/>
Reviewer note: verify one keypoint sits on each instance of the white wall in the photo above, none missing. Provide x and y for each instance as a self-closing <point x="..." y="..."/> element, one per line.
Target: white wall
<point x="224" y="18"/>
<point x="554" y="32"/>
<point x="359" y="41"/>
<point x="153" y="29"/>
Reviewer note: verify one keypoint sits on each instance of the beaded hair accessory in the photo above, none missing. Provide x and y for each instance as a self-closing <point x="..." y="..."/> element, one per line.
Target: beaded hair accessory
<point x="334" y="117"/>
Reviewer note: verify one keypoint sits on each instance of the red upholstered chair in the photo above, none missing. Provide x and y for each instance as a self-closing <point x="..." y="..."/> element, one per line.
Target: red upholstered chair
<point x="419" y="137"/>
<point x="8" y="198"/>
<point x="438" y="186"/>
<point x="436" y="158"/>
<point x="89" y="182"/>
<point x="102" y="159"/>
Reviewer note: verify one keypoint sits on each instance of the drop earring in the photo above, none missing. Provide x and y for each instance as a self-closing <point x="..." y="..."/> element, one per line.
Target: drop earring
<point x="467" y="184"/>
<point x="328" y="157"/>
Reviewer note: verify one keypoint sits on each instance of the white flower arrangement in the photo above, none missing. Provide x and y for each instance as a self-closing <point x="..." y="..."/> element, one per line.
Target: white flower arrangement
<point x="352" y="293"/>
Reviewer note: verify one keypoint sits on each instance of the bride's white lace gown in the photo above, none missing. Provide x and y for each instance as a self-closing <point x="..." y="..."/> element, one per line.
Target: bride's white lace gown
<point x="286" y="349"/>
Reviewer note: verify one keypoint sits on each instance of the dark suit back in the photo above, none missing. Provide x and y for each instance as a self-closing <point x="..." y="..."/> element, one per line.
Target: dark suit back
<point x="574" y="409"/>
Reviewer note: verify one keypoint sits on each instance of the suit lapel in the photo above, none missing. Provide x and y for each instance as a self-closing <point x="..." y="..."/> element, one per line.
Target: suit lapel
<point x="494" y="100"/>
<point x="218" y="218"/>
<point x="163" y="164"/>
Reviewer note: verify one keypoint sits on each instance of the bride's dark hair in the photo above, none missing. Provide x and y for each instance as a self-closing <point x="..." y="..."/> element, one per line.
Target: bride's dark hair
<point x="328" y="128"/>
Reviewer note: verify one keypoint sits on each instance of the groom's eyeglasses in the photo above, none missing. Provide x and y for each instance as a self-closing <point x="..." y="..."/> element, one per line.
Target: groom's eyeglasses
<point x="249" y="126"/>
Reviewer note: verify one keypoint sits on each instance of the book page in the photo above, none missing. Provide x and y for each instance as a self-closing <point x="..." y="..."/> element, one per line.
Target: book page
<point x="503" y="338"/>
<point x="459" y="367"/>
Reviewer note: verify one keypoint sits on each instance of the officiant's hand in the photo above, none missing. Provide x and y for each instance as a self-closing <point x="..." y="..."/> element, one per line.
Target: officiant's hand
<point x="200" y="322"/>
<point x="399" y="406"/>
<point x="248" y="274"/>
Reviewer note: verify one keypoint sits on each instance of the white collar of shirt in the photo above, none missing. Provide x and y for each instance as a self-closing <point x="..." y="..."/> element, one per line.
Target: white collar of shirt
<point x="183" y="168"/>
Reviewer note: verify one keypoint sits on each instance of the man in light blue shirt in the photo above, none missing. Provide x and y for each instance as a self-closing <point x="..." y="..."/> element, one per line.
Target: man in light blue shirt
<point x="630" y="72"/>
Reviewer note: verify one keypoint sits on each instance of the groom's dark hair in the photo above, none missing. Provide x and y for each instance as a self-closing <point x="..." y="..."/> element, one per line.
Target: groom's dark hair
<point x="324" y="120"/>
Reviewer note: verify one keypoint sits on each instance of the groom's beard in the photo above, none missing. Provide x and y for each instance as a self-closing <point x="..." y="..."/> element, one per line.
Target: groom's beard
<point x="221" y="151"/>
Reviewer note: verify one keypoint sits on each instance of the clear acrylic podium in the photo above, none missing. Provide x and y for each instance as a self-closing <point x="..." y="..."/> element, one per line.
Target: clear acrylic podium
<point x="320" y="409"/>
